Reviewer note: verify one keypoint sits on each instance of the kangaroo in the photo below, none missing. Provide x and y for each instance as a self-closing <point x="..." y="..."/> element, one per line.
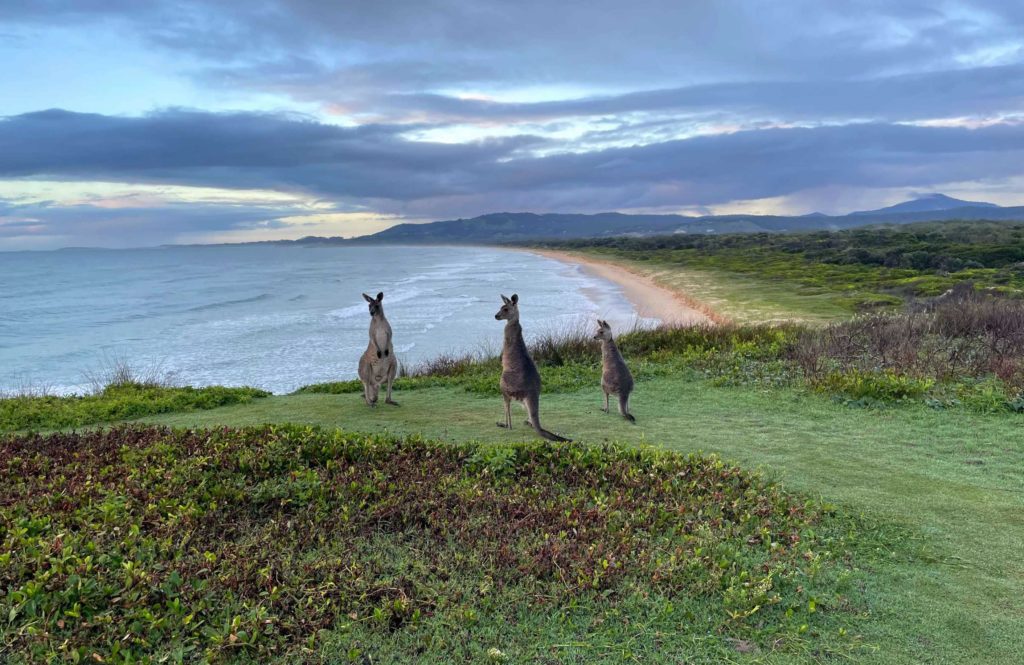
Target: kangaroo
<point x="520" y="379"/>
<point x="615" y="376"/>
<point x="378" y="364"/>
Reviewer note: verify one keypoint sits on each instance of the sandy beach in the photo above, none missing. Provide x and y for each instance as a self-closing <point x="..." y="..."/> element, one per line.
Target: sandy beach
<point x="650" y="299"/>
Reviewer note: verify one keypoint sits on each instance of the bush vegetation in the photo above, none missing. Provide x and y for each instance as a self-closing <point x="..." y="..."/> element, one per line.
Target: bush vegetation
<point x="117" y="401"/>
<point x="299" y="544"/>
<point x="952" y="344"/>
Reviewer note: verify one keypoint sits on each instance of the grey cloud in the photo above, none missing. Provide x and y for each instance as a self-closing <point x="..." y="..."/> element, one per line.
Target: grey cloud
<point x="421" y="45"/>
<point x="943" y="94"/>
<point x="240" y="150"/>
<point x="775" y="162"/>
<point x="756" y="164"/>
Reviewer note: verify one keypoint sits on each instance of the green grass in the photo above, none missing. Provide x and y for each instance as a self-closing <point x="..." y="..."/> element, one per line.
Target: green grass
<point x="119" y="401"/>
<point x="289" y="543"/>
<point x="953" y="481"/>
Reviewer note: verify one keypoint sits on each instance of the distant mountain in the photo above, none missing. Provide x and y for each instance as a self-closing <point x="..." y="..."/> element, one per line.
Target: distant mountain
<point x="928" y="203"/>
<point x="508" y="226"/>
<point x="501" y="227"/>
<point x="521" y="226"/>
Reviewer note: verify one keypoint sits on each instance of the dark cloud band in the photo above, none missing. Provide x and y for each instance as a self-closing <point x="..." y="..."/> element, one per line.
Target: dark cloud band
<point x="377" y="167"/>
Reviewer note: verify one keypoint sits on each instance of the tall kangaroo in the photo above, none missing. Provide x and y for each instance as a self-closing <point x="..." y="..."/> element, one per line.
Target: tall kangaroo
<point x="520" y="379"/>
<point x="615" y="376"/>
<point x="378" y="363"/>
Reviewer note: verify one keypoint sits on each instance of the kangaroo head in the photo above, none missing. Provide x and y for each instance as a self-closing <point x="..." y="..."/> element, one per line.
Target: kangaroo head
<point x="376" y="304"/>
<point x="604" y="331"/>
<point x="510" y="310"/>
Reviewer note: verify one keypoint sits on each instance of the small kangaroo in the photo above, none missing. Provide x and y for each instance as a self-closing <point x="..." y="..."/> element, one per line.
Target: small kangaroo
<point x="520" y="379"/>
<point x="378" y="363"/>
<point x="615" y="376"/>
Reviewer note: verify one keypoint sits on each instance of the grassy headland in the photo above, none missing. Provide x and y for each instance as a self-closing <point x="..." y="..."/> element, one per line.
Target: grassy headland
<point x="890" y="443"/>
<point x="930" y="491"/>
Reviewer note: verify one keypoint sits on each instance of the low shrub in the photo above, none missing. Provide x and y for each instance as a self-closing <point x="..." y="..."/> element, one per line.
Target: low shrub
<point x="254" y="545"/>
<point x="883" y="386"/>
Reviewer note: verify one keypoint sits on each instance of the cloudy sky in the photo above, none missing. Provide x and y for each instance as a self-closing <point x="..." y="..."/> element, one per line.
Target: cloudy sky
<point x="126" y="123"/>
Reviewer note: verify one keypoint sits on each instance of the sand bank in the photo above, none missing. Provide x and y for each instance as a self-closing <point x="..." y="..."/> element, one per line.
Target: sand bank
<point x="650" y="298"/>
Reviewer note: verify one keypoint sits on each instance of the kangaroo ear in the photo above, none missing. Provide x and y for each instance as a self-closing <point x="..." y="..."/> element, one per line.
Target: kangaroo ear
<point x="515" y="299"/>
<point x="380" y="296"/>
<point x="604" y="324"/>
<point x="368" y="298"/>
<point x="504" y="299"/>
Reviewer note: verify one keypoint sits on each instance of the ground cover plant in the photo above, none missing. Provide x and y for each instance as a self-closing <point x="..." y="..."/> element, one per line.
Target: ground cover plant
<point x="860" y="269"/>
<point x="295" y="543"/>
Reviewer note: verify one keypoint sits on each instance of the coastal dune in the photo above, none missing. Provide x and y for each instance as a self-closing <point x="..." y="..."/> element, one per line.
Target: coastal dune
<point x="650" y="298"/>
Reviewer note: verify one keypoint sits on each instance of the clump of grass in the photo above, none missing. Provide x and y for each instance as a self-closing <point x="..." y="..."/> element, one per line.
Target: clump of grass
<point x="267" y="543"/>
<point x="572" y="344"/>
<point x="117" y="370"/>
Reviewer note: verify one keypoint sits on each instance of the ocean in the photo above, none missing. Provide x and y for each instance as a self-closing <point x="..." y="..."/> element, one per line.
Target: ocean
<point x="272" y="316"/>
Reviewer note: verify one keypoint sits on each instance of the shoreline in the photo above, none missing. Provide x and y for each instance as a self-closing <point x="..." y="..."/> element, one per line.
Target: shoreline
<point x="651" y="300"/>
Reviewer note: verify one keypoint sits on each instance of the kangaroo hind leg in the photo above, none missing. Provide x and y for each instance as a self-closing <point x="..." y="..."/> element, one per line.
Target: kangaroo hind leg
<point x="508" y="414"/>
<point x="391" y="378"/>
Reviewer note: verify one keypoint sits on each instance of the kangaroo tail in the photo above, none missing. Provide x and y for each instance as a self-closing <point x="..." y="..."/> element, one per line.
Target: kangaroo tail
<point x="533" y="410"/>
<point x="551" y="436"/>
<point x="624" y="408"/>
